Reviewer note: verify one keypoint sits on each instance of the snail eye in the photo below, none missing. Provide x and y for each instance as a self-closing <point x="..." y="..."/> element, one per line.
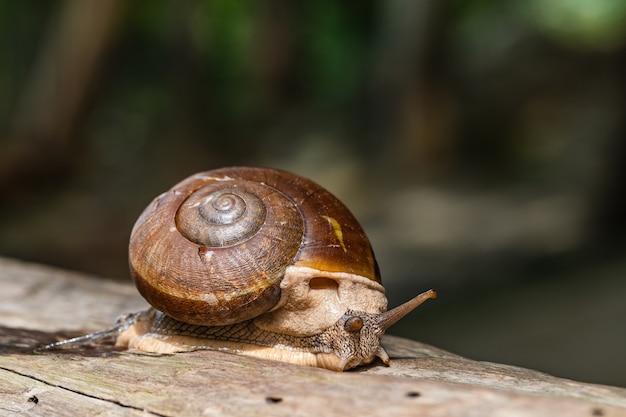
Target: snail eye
<point x="353" y="324"/>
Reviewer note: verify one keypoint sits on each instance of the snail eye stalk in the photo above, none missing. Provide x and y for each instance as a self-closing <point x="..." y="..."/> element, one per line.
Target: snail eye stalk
<point x="353" y="324"/>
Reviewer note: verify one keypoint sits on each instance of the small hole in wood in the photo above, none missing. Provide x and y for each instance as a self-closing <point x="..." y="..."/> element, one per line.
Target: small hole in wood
<point x="33" y="400"/>
<point x="413" y="394"/>
<point x="273" y="400"/>
<point x="597" y="412"/>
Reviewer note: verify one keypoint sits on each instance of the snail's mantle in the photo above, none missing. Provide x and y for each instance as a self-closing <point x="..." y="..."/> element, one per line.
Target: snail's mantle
<point x="36" y="302"/>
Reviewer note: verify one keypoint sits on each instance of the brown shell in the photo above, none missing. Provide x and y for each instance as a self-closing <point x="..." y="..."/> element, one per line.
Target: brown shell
<point x="217" y="278"/>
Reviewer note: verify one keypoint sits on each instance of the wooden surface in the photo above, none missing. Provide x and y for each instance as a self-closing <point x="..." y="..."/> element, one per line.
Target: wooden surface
<point x="36" y="302"/>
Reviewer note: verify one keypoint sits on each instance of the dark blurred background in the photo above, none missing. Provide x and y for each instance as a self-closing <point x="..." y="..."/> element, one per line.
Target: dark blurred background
<point x="480" y="143"/>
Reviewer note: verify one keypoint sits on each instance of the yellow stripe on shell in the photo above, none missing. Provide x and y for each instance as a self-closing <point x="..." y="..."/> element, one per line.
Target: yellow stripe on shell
<point x="337" y="229"/>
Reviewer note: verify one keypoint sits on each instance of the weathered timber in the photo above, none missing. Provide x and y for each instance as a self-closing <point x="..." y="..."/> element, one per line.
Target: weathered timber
<point x="38" y="303"/>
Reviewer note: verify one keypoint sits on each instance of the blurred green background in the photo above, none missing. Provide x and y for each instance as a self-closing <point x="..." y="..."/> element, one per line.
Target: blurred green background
<point x="480" y="143"/>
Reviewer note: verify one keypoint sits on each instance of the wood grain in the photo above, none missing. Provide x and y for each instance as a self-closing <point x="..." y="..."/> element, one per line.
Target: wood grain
<point x="422" y="380"/>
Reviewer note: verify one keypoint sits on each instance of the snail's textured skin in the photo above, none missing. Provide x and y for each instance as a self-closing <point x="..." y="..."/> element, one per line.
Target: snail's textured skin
<point x="257" y="261"/>
<point x="333" y="349"/>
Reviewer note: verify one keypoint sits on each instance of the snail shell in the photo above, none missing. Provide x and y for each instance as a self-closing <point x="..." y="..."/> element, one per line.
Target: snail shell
<point x="239" y="257"/>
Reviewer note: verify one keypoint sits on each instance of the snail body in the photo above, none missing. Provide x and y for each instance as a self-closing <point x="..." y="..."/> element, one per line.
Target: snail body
<point x="259" y="262"/>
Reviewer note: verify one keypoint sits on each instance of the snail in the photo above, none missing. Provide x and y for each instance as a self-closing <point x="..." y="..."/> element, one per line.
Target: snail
<point x="259" y="262"/>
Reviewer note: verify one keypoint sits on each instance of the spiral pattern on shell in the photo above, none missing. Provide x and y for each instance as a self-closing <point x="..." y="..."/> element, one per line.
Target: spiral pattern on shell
<point x="213" y="249"/>
<point x="223" y="217"/>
